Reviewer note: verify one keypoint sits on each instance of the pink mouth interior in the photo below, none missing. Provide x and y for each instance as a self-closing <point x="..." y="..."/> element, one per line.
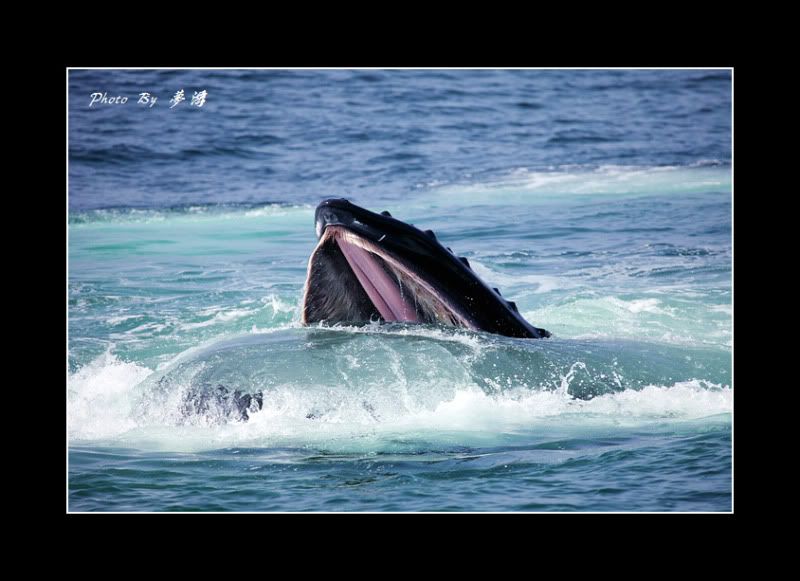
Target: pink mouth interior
<point x="383" y="290"/>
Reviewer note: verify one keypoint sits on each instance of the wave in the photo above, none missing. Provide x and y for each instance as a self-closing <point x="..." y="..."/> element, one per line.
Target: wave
<point x="517" y="186"/>
<point x="238" y="146"/>
<point x="368" y="388"/>
<point x="523" y="184"/>
<point x="672" y="319"/>
<point x="543" y="283"/>
<point x="211" y="210"/>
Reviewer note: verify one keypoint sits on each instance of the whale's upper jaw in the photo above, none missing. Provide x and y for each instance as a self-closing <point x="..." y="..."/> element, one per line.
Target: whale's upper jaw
<point x="369" y="225"/>
<point x="369" y="266"/>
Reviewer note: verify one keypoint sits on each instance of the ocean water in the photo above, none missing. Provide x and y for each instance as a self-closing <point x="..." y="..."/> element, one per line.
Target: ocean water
<point x="599" y="201"/>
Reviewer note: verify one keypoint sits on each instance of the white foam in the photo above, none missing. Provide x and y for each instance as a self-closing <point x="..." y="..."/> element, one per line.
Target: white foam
<point x="544" y="283"/>
<point x="465" y="338"/>
<point x="219" y="315"/>
<point x="472" y="409"/>
<point x="638" y="305"/>
<point x="667" y="320"/>
<point x="192" y="214"/>
<point x="99" y="397"/>
<point x="103" y="398"/>
<point x="122" y="319"/>
<point x="469" y="417"/>
<point x="275" y="210"/>
<point x="147" y="327"/>
<point x="223" y="316"/>
<point x="522" y="184"/>
<point x="278" y="305"/>
<point x="256" y="330"/>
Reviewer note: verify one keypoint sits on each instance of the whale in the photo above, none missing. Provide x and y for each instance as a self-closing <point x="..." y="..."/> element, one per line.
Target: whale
<point x="369" y="267"/>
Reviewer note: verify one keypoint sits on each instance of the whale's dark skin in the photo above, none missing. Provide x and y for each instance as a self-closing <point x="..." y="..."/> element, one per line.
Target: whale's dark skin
<point x="436" y="285"/>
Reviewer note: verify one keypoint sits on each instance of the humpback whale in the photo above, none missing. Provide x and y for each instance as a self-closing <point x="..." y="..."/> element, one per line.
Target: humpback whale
<point x="374" y="267"/>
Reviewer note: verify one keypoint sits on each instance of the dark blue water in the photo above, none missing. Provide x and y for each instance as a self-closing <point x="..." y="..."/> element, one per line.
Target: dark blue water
<point x="600" y="201"/>
<point x="296" y="136"/>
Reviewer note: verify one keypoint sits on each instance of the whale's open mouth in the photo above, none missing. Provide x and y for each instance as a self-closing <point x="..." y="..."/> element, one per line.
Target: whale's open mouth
<point x="351" y="279"/>
<point x="374" y="267"/>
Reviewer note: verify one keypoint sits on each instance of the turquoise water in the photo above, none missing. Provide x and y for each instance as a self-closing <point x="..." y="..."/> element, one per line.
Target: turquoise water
<point x="628" y="407"/>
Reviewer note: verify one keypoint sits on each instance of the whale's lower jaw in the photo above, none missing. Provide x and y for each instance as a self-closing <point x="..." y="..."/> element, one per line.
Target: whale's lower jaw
<point x="353" y="280"/>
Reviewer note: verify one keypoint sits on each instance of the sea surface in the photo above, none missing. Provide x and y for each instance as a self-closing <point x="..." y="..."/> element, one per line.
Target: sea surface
<point x="599" y="201"/>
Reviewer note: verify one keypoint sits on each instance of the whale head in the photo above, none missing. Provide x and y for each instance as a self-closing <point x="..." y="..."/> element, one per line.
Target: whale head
<point x="373" y="267"/>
